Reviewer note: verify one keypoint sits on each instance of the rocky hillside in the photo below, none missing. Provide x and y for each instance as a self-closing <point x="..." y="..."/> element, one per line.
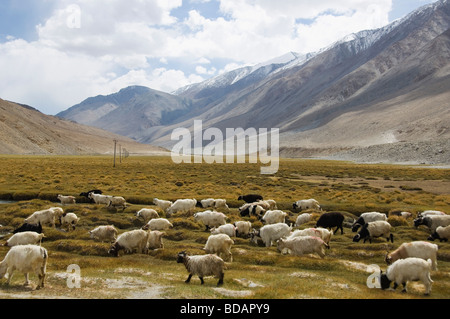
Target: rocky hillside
<point x="24" y="130"/>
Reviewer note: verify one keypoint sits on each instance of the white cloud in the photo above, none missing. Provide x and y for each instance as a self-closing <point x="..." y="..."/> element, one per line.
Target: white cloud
<point x="116" y="39"/>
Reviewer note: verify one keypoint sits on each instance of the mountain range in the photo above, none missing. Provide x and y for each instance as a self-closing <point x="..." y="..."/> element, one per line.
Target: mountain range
<point x="387" y="86"/>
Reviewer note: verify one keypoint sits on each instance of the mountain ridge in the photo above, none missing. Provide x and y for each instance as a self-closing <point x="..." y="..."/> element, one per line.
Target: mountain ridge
<point x="360" y="81"/>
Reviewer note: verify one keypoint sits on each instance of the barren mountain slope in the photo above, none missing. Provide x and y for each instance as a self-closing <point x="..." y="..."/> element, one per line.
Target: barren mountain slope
<point x="24" y="130"/>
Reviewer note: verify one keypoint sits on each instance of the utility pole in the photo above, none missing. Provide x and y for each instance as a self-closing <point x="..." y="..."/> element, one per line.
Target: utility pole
<point x="115" y="144"/>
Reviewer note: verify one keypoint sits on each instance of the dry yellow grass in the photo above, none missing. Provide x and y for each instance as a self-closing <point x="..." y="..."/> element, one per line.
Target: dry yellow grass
<point x="256" y="272"/>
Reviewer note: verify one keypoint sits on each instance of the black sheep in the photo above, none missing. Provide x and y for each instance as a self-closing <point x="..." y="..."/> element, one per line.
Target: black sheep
<point x="29" y="227"/>
<point x="330" y="220"/>
<point x="251" y="198"/>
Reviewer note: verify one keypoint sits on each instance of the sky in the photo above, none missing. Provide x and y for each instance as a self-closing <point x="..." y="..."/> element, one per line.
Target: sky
<point x="56" y="53"/>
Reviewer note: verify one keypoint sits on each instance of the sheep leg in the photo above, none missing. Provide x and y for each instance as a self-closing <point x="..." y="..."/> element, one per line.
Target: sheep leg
<point x="201" y="280"/>
<point x="404" y="287"/>
<point x="188" y="279"/>
<point x="27" y="279"/>
<point x="220" y="283"/>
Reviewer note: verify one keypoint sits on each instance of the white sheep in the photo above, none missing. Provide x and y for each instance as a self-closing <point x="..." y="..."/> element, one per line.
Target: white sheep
<point x="433" y="221"/>
<point x="367" y="218"/>
<point x="228" y="229"/>
<point x="302" y="245"/>
<point x="116" y="201"/>
<point x="418" y="249"/>
<point x="65" y="200"/>
<point x="306" y="204"/>
<point x="99" y="198"/>
<point x="209" y="202"/>
<point x="130" y="241"/>
<point x="26" y="259"/>
<point x="163" y="204"/>
<point x="46" y="216"/>
<point x="210" y="218"/>
<point x="155" y="240"/>
<point x="274" y="217"/>
<point x="441" y="233"/>
<point x="431" y="213"/>
<point x="323" y="233"/>
<point x="271" y="233"/>
<point x="147" y="214"/>
<point x="182" y="205"/>
<point x="158" y="224"/>
<point x="221" y="245"/>
<point x="243" y="228"/>
<point x="375" y="229"/>
<point x="69" y="219"/>
<point x="220" y="203"/>
<point x="203" y="266"/>
<point x="405" y="270"/>
<point x="303" y="219"/>
<point x="24" y="238"/>
<point x="106" y="233"/>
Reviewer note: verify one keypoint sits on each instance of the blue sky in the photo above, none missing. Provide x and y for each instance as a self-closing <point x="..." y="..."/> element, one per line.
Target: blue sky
<point x="56" y="53"/>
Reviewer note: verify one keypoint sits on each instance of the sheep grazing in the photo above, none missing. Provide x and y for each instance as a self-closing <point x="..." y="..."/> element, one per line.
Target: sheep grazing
<point x="441" y="233"/>
<point x="306" y="204"/>
<point x="330" y="220"/>
<point x="221" y="204"/>
<point x="163" y="204"/>
<point x="202" y="266"/>
<point x="26" y="259"/>
<point x="65" y="200"/>
<point x="104" y="233"/>
<point x="271" y="233"/>
<point x="155" y="240"/>
<point x="43" y="217"/>
<point x="210" y="219"/>
<point x="375" y="229"/>
<point x="250" y="198"/>
<point x="99" y="198"/>
<point x="433" y="221"/>
<point x="323" y="233"/>
<point x="147" y="214"/>
<point x="221" y="245"/>
<point x="430" y="213"/>
<point x="228" y="229"/>
<point x="29" y="227"/>
<point x="116" y="201"/>
<point x="205" y="203"/>
<point x="274" y="217"/>
<point x="130" y="241"/>
<point x="399" y="213"/>
<point x="69" y="220"/>
<point x="243" y="228"/>
<point x="404" y="270"/>
<point x="182" y="205"/>
<point x="418" y="249"/>
<point x="302" y="245"/>
<point x="86" y="194"/>
<point x="252" y="209"/>
<point x="367" y="218"/>
<point x="158" y="224"/>
<point x="24" y="238"/>
<point x="303" y="219"/>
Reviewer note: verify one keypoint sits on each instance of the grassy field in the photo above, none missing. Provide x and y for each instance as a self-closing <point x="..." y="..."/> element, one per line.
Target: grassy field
<point x="256" y="272"/>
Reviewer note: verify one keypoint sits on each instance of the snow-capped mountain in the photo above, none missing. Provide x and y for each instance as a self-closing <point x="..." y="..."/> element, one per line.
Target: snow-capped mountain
<point x="372" y="87"/>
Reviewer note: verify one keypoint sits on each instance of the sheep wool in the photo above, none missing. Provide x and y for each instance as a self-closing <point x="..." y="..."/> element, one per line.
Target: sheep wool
<point x="203" y="266"/>
<point x="26" y="259"/>
<point x="405" y="270"/>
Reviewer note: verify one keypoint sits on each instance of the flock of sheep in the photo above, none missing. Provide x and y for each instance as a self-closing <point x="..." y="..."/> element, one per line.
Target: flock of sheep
<point x="410" y="262"/>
